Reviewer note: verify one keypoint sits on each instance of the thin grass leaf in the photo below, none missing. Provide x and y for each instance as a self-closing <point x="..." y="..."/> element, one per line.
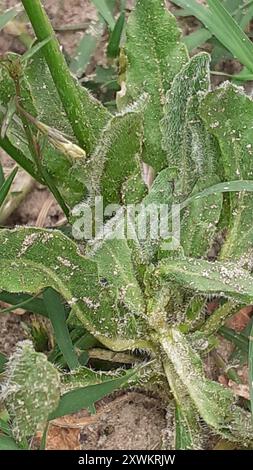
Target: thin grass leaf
<point x="251" y="369"/>
<point x="246" y="18"/>
<point x="57" y="315"/>
<point x="114" y="43"/>
<point x="2" y="178"/>
<point x="7" y="443"/>
<point x="229" y="33"/>
<point x="86" y="48"/>
<point x="238" y="339"/>
<point x="19" y="158"/>
<point x="43" y="442"/>
<point x="105" y="12"/>
<point x="8" y="15"/>
<point x="33" y="304"/>
<point x="197" y="38"/>
<point x="4" y="190"/>
<point x="11" y="109"/>
<point x="5" y="427"/>
<point x="3" y="360"/>
<point x="22" y="304"/>
<point x="193" y="8"/>
<point x="34" y="49"/>
<point x="75" y="400"/>
<point x="223" y="26"/>
<point x="227" y="187"/>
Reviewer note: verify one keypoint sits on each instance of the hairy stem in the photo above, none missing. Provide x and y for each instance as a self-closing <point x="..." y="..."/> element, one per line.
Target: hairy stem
<point x="64" y="82"/>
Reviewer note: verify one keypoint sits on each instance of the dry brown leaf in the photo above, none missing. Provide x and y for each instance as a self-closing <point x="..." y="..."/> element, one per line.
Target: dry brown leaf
<point x="239" y="389"/>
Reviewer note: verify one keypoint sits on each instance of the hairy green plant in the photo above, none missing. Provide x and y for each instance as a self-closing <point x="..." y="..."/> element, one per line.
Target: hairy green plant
<point x="130" y="294"/>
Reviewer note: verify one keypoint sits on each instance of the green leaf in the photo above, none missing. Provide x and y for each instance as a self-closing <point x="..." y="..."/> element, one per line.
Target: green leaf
<point x="57" y="316"/>
<point x="4" y="190"/>
<point x="223" y="26"/>
<point x="5" y="426"/>
<point x="86" y="48"/>
<point x="31" y="390"/>
<point x="197" y="38"/>
<point x="194" y="77"/>
<point x="3" y="360"/>
<point x="229" y="33"/>
<point x="251" y="368"/>
<point x="7" y="443"/>
<point x="227" y="187"/>
<point x="8" y="15"/>
<point x="199" y="221"/>
<point x="41" y="100"/>
<point x="223" y="279"/>
<point x="121" y="141"/>
<point x="34" y="49"/>
<point x="114" y="261"/>
<point x="238" y="339"/>
<point x="187" y="432"/>
<point x="154" y="56"/>
<point x="105" y="12"/>
<point x="183" y="432"/>
<point x="215" y="403"/>
<point x="32" y="304"/>
<point x="80" y="398"/>
<point x="2" y="177"/>
<point x="221" y="112"/>
<point x="34" y="259"/>
<point x="19" y="157"/>
<point x="115" y="38"/>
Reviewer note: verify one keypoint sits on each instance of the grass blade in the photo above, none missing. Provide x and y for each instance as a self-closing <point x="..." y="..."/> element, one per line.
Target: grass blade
<point x="223" y="26"/>
<point x="229" y="186"/>
<point x="2" y="178"/>
<point x="4" y="190"/>
<point x="57" y="315"/>
<point x="229" y="33"/>
<point x="197" y="38"/>
<point x="24" y="303"/>
<point x="7" y="443"/>
<point x="5" y="427"/>
<point x="3" y="360"/>
<point x="114" y="43"/>
<point x="104" y="10"/>
<point x="75" y="400"/>
<point x="238" y="339"/>
<point x="33" y="304"/>
<point x="86" y="49"/>
<point x="251" y="368"/>
<point x="7" y="16"/>
<point x="19" y="158"/>
<point x="34" y="49"/>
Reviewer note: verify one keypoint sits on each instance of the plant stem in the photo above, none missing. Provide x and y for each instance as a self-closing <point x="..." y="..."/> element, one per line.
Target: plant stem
<point x="64" y="82"/>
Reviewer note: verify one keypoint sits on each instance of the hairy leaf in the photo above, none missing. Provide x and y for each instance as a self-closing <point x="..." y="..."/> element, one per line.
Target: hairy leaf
<point x="31" y="390"/>
<point x="215" y="403"/>
<point x="178" y="143"/>
<point x="154" y="56"/>
<point x="33" y="259"/>
<point x="187" y="432"/>
<point x="117" y="155"/>
<point x="222" y="110"/>
<point x="223" y="279"/>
